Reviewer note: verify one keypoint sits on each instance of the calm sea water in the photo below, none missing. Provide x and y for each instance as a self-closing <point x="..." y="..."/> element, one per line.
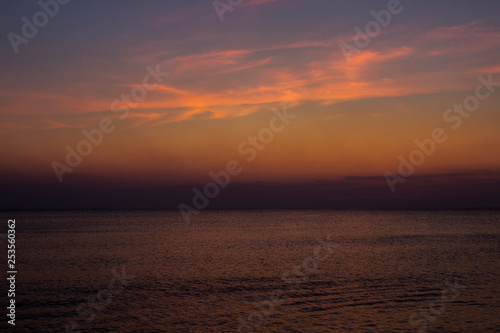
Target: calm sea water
<point x="213" y="275"/>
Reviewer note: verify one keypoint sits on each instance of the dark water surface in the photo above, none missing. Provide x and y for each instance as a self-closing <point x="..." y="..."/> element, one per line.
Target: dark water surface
<point x="214" y="275"/>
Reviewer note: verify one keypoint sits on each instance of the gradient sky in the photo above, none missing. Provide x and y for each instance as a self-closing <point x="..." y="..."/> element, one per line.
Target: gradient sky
<point x="354" y="118"/>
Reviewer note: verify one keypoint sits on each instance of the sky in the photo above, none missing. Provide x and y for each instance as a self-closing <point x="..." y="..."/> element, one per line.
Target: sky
<point x="319" y="104"/>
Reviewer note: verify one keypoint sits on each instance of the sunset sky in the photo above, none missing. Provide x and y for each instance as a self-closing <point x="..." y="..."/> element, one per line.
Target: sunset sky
<point x="354" y="117"/>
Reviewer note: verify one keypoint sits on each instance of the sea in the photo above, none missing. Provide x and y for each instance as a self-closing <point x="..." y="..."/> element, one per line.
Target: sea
<point x="253" y="271"/>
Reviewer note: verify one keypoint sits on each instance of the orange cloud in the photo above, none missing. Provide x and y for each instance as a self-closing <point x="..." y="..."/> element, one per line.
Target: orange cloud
<point x="235" y="82"/>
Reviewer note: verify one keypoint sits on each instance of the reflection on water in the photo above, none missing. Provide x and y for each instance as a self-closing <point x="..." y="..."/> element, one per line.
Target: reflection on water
<point x="204" y="277"/>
